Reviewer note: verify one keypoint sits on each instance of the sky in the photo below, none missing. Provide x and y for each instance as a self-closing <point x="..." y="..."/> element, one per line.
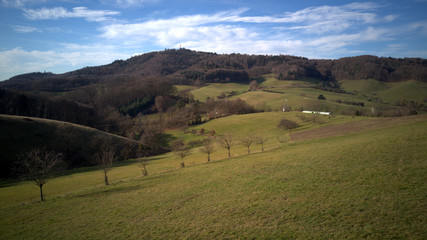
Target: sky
<point x="65" y="35"/>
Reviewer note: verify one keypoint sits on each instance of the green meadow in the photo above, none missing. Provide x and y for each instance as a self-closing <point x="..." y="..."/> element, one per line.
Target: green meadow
<point x="302" y="94"/>
<point x="214" y="90"/>
<point x="388" y="92"/>
<point x="359" y="178"/>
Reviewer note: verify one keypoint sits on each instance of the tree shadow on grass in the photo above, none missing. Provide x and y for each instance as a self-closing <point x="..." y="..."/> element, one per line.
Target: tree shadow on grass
<point x="9" y="183"/>
<point x="64" y="173"/>
<point x="118" y="187"/>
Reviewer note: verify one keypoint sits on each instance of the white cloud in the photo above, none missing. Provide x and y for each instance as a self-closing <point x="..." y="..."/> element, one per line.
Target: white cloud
<point x="132" y="3"/>
<point x="325" y="19"/>
<point x="317" y="19"/>
<point x="71" y="56"/>
<point x="315" y="32"/>
<point x="418" y="26"/>
<point x="314" y="20"/>
<point x="25" y="29"/>
<point x="328" y="43"/>
<point x="19" y="3"/>
<point x="176" y="31"/>
<point x="226" y="32"/>
<point x="390" y="18"/>
<point x="77" y="12"/>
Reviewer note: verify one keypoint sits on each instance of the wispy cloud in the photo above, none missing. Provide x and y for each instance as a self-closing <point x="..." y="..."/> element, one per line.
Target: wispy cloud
<point x="77" y="12"/>
<point x="19" y="3"/>
<point x="25" y="29"/>
<point x="313" y="32"/>
<point x="71" y="56"/>
<point x="325" y="19"/>
<point x="226" y="31"/>
<point x="326" y="44"/>
<point x="132" y="3"/>
<point x="177" y="28"/>
<point x="419" y="26"/>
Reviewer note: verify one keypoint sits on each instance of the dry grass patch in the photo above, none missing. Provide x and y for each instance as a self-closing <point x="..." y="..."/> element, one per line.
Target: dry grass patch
<point x="352" y="127"/>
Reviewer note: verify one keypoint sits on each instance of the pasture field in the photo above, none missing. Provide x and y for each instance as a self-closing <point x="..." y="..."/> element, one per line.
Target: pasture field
<point x="184" y="87"/>
<point x="214" y="90"/>
<point x="303" y="94"/>
<point x="388" y="92"/>
<point x="20" y="134"/>
<point x="369" y="182"/>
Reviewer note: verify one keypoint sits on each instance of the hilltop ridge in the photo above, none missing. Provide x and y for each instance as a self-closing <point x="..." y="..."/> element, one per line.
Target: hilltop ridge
<point x="186" y="66"/>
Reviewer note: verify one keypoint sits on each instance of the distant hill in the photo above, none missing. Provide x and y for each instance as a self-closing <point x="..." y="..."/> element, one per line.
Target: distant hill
<point x="186" y="66"/>
<point x="124" y="97"/>
<point x="77" y="143"/>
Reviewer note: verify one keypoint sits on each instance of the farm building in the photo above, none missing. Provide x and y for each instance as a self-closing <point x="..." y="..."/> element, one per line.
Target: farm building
<point x="316" y="112"/>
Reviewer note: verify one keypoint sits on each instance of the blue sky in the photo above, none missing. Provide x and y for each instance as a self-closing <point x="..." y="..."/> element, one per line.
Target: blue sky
<point x="64" y="35"/>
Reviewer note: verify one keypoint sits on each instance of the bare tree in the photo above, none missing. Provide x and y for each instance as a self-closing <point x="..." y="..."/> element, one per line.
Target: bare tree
<point x="142" y="163"/>
<point x="208" y="148"/>
<point x="105" y="158"/>
<point x="261" y="140"/>
<point x="39" y="165"/>
<point x="282" y="138"/>
<point x="181" y="150"/>
<point x="247" y="142"/>
<point x="287" y="124"/>
<point x="227" y="142"/>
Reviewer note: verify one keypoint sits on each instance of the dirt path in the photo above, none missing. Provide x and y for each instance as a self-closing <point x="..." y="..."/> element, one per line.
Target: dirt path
<point x="353" y="127"/>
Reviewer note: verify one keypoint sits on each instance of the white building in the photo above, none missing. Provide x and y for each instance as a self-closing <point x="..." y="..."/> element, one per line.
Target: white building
<point x="316" y="112"/>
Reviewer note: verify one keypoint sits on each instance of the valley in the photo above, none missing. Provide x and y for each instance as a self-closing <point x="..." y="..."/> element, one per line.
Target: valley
<point x="369" y="182"/>
<point x="212" y="145"/>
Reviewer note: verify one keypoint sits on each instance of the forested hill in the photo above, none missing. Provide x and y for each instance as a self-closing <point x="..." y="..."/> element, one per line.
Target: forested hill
<point x="186" y="67"/>
<point x="139" y="98"/>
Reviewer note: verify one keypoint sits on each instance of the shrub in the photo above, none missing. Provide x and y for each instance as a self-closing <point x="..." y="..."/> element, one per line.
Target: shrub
<point x="321" y="97"/>
<point x="287" y="124"/>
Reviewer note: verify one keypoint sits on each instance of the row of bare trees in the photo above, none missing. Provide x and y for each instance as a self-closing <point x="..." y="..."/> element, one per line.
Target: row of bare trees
<point x="227" y="141"/>
<point x="40" y="164"/>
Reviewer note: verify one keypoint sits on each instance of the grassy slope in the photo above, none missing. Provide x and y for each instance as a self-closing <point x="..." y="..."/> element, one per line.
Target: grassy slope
<point x="389" y="92"/>
<point x="213" y="90"/>
<point x="303" y="95"/>
<point x="368" y="184"/>
<point x="253" y="125"/>
<point x="184" y="87"/>
<point x="20" y="134"/>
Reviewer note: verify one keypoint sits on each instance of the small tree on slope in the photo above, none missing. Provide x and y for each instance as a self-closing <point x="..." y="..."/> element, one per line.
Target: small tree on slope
<point x="208" y="148"/>
<point x="39" y="166"/>
<point x="227" y="142"/>
<point x="105" y="158"/>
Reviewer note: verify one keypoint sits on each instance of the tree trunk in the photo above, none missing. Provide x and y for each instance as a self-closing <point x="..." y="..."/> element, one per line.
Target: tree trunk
<point x="106" y="179"/>
<point x="229" y="155"/>
<point x="41" y="192"/>
<point x="209" y="157"/>
<point x="249" y="151"/>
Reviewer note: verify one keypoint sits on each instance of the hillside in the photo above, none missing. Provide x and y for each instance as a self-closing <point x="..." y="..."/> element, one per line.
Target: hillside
<point x="368" y="182"/>
<point x="186" y="66"/>
<point x="121" y="96"/>
<point x="358" y="173"/>
<point x="77" y="143"/>
<point x="367" y="97"/>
